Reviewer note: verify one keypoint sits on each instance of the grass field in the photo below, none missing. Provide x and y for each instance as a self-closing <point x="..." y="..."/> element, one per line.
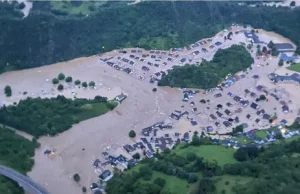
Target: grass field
<point x="261" y="134"/>
<point x="76" y="7"/>
<point x="223" y="155"/>
<point x="227" y="182"/>
<point x="295" y="67"/>
<point x="242" y="139"/>
<point x="93" y="110"/>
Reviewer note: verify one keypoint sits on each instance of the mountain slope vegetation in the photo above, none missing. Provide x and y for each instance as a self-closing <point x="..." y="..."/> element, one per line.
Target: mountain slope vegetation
<point x="45" y="37"/>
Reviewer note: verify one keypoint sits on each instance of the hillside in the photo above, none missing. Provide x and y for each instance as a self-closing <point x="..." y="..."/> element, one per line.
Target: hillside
<point x="15" y="152"/>
<point x="197" y="169"/>
<point x="45" y="37"/>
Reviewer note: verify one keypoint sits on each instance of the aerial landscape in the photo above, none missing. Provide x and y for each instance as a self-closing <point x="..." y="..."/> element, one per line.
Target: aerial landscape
<point x="141" y="97"/>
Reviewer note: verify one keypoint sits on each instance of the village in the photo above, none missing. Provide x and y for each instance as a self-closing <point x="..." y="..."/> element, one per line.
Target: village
<point x="250" y="100"/>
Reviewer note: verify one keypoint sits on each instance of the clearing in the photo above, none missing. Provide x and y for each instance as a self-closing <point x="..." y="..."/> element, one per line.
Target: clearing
<point x="295" y="67"/>
<point x="223" y="155"/>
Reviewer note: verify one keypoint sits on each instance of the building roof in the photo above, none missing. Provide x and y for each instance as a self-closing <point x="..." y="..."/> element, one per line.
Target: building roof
<point x="286" y="58"/>
<point x="281" y="47"/>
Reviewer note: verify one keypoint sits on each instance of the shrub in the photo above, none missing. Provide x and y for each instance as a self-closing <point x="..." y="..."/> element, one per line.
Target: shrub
<point x="280" y="63"/>
<point x="77" y="82"/>
<point x="60" y="87"/>
<point x="55" y="81"/>
<point x="76" y="177"/>
<point x="154" y="89"/>
<point x="202" y="101"/>
<point x="69" y="79"/>
<point x="7" y="91"/>
<point x="83" y="189"/>
<point x="191" y="156"/>
<point x="293" y="3"/>
<point x="84" y="84"/>
<point x="92" y="84"/>
<point x="61" y="76"/>
<point x="132" y="134"/>
<point x="159" y="181"/>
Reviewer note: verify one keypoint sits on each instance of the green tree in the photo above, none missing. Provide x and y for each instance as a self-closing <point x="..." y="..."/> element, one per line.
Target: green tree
<point x="154" y="89"/>
<point x="7" y="91"/>
<point x="77" y="82"/>
<point x="84" y="84"/>
<point x="195" y="140"/>
<point x="136" y="156"/>
<point x="191" y="156"/>
<point x="203" y="101"/>
<point x="280" y="63"/>
<point x="262" y="97"/>
<point x="61" y="76"/>
<point x="132" y="134"/>
<point x="60" y="87"/>
<point x="293" y="3"/>
<point x="76" y="177"/>
<point x="159" y="181"/>
<point x="55" y="81"/>
<point x="92" y="84"/>
<point x="69" y="79"/>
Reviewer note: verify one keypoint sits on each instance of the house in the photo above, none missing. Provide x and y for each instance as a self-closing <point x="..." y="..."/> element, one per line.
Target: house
<point x="244" y="102"/>
<point x="283" y="122"/>
<point x="194" y="123"/>
<point x="120" y="97"/>
<point x="182" y="60"/>
<point x="228" y="104"/>
<point x="128" y="148"/>
<point x="252" y="94"/>
<point x="94" y="186"/>
<point x="106" y="175"/>
<point x="247" y="91"/>
<point x="266" y="116"/>
<point x="186" y="137"/>
<point x="287" y="58"/>
<point x="259" y="87"/>
<point x="217" y="124"/>
<point x="219" y="114"/>
<point x="227" y="124"/>
<point x="237" y="98"/>
<point x="209" y="129"/>
<point x="284" y="47"/>
<point x="219" y="106"/>
<point x="218" y="95"/>
<point x="254" y="105"/>
<point x="228" y="112"/>
<point x="285" y="108"/>
<point x="196" y="53"/>
<point x="236" y="119"/>
<point x="260" y="112"/>
<point x="248" y="116"/>
<point x="213" y="117"/>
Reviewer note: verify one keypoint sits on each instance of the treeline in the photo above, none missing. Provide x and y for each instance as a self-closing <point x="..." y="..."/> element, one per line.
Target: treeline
<point x="209" y="73"/>
<point x="15" y="152"/>
<point x="43" y="38"/>
<point x="50" y="116"/>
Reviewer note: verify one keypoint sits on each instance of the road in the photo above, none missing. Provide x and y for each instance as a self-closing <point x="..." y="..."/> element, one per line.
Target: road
<point x="23" y="181"/>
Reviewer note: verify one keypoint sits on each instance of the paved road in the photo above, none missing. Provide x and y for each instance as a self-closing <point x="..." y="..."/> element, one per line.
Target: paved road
<point x="24" y="181"/>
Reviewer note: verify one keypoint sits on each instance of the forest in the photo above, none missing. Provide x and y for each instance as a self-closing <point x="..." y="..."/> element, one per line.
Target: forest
<point x="45" y="37"/>
<point x="268" y="170"/>
<point x="50" y="116"/>
<point x="209" y="73"/>
<point x="15" y="152"/>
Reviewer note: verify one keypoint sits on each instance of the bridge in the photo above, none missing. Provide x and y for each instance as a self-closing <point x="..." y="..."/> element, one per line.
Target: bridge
<point x="22" y="180"/>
